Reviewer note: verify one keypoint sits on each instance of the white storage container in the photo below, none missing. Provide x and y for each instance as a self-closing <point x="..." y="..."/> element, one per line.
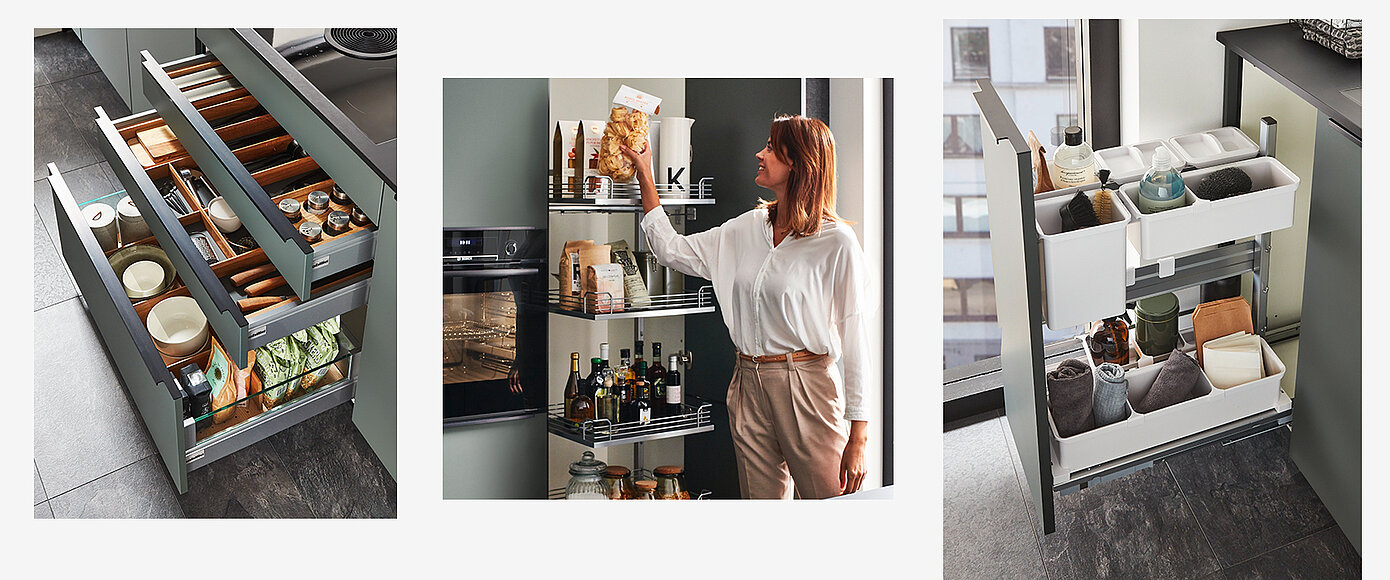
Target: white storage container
<point x="1083" y="270"/>
<point x="1268" y="207"/>
<point x="1258" y="395"/>
<point x="1214" y="147"/>
<point x="1139" y="431"/>
<point x="1129" y="162"/>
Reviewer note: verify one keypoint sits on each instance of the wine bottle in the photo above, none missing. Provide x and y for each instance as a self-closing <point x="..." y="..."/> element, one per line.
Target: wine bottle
<point x="673" y="399"/>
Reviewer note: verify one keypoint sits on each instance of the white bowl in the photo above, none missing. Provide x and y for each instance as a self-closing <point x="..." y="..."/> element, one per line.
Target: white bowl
<point x="177" y="326"/>
<point x="144" y="277"/>
<point x="223" y="216"/>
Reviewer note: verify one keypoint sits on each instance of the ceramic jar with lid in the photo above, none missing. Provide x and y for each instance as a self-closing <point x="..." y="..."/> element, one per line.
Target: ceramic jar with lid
<point x="102" y="219"/>
<point x="586" y="479"/>
<point x="128" y="218"/>
<point x="1156" y="324"/>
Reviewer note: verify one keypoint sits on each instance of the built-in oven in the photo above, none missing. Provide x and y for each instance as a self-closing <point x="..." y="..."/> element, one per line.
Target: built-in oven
<point x="494" y="335"/>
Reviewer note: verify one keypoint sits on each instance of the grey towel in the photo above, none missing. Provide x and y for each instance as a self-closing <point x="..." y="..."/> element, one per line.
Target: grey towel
<point x="1174" y="384"/>
<point x="1069" y="390"/>
<point x="1112" y="388"/>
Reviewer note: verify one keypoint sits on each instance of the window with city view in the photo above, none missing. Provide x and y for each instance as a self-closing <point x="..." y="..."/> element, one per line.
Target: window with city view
<point x="1032" y="65"/>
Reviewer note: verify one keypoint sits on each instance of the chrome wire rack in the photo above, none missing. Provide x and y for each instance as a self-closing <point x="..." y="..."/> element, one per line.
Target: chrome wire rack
<point x="603" y="306"/>
<point x="596" y="433"/>
<point x="602" y="194"/>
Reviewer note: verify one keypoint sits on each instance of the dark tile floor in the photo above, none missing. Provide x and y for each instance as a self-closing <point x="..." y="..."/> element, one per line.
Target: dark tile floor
<point x="1236" y="511"/>
<point x="93" y="457"/>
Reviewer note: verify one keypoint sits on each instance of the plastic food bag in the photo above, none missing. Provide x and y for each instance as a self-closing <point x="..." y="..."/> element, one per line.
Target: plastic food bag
<point x="625" y="127"/>
<point x="277" y="363"/>
<point x="320" y="345"/>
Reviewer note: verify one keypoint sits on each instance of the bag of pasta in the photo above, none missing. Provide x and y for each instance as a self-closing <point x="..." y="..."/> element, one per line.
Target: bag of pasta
<point x="320" y="345"/>
<point x="627" y="125"/>
<point x="276" y="364"/>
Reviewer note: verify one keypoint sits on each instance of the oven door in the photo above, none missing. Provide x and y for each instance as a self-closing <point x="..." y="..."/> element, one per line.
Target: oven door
<point x="494" y="341"/>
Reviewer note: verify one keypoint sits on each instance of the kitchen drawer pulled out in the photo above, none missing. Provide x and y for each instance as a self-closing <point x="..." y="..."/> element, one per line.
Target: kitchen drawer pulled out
<point x="185" y="437"/>
<point x="254" y="164"/>
<point x="248" y="305"/>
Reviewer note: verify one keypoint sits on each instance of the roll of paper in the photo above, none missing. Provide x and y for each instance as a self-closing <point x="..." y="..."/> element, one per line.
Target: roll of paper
<point x="673" y="163"/>
<point x="102" y="219"/>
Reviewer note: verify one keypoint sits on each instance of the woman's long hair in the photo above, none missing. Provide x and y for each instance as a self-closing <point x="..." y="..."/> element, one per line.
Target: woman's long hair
<point x="808" y="147"/>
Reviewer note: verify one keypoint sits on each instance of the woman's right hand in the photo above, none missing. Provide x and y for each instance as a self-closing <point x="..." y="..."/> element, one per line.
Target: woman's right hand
<point x="641" y="161"/>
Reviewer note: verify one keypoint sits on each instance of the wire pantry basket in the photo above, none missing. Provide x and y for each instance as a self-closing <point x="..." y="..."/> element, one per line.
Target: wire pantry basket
<point x="695" y="417"/>
<point x="604" y="303"/>
<point x="1342" y="36"/>
<point x="602" y="190"/>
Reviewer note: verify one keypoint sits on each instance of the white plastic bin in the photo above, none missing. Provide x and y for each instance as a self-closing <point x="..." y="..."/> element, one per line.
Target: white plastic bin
<point x="1083" y="270"/>
<point x="1129" y="162"/>
<point x="1203" y="223"/>
<point x="1214" y="147"/>
<point x="1258" y="395"/>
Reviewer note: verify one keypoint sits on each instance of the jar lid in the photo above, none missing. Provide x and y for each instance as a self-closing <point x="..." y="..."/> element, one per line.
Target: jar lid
<point x="98" y="214"/>
<point x="339" y="196"/>
<point x="318" y="200"/>
<point x="289" y="205"/>
<point x="310" y="229"/>
<point x="587" y="465"/>
<point x="669" y="470"/>
<point x="616" y="471"/>
<point x="337" y="221"/>
<point x="646" y="485"/>
<point x="1159" y="308"/>
<point x="127" y="209"/>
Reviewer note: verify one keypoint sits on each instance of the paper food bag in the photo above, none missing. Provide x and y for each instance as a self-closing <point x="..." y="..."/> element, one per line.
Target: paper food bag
<point x="603" y="289"/>
<point x="634" y="287"/>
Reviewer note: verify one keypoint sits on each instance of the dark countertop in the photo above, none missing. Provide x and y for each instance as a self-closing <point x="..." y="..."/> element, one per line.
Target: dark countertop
<point x="1317" y="74"/>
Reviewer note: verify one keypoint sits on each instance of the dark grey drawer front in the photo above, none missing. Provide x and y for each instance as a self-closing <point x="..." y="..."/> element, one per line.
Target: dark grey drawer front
<point x="234" y="330"/>
<point x="246" y="55"/>
<point x="300" y="263"/>
<point x="142" y="369"/>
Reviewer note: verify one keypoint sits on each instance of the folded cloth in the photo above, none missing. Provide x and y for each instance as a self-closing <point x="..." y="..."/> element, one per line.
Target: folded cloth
<point x="1069" y="397"/>
<point x="1174" y="383"/>
<point x="1112" y="388"/>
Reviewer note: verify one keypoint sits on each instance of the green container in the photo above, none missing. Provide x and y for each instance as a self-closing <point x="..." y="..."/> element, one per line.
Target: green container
<point x="1156" y="327"/>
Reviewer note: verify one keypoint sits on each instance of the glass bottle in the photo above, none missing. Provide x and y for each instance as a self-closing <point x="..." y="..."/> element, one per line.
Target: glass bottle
<point x="673" y="401"/>
<point x="1075" y="162"/>
<point x="642" y="407"/>
<point x="1162" y="187"/>
<point x="656" y="371"/>
<point x="670" y="482"/>
<point x="646" y="489"/>
<point x="1109" y="342"/>
<point x="578" y="406"/>
<point x="622" y="379"/>
<point x="591" y="382"/>
<point x="619" y="482"/>
<point x="606" y="394"/>
<point x="586" y="479"/>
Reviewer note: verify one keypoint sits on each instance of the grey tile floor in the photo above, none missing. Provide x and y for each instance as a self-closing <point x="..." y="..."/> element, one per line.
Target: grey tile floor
<point x="1236" y="511"/>
<point x="93" y="457"/>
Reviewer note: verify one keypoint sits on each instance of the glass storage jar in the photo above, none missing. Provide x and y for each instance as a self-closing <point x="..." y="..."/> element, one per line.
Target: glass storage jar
<point x="670" y="482"/>
<point x="619" y="482"/>
<point x="586" y="479"/>
<point x="1156" y="324"/>
<point x="646" y="489"/>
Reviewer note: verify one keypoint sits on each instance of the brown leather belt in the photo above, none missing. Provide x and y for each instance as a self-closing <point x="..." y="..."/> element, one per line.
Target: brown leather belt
<point x="799" y="355"/>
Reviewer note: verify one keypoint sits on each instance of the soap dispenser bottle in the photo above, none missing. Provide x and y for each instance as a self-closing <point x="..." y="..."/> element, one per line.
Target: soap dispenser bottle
<point x="1162" y="187"/>
<point x="1075" y="162"/>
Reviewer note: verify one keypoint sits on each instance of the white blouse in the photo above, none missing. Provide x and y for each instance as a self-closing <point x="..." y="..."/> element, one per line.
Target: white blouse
<point x="811" y="293"/>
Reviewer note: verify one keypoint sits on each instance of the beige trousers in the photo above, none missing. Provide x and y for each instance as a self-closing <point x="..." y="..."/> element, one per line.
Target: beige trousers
<point x="788" y="425"/>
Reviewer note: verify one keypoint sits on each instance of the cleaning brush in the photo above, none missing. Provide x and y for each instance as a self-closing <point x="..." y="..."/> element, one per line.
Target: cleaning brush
<point x="1078" y="214"/>
<point x="1102" y="203"/>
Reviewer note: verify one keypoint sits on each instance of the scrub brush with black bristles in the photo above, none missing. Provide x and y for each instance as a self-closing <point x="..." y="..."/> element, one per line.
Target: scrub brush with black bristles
<point x="1077" y="214"/>
<point x="1103" y="203"/>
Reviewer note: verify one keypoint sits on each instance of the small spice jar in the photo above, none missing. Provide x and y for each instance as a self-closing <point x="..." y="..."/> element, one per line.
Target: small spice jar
<point x="646" y="489"/>
<point x="586" y="479"/>
<point x="360" y="219"/>
<point x="670" y="482"/>
<point x="619" y="481"/>
<point x="336" y="224"/>
<point x="290" y="208"/>
<point x="317" y="204"/>
<point x="338" y="196"/>
<point x="311" y="231"/>
<point x="1156" y="327"/>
